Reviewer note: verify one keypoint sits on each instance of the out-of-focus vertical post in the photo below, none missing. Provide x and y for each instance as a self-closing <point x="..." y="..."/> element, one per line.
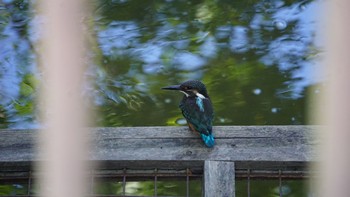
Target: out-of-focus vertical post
<point x="62" y="143"/>
<point x="335" y="154"/>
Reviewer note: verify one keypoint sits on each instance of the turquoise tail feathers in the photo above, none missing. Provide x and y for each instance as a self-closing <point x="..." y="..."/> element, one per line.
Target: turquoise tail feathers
<point x="208" y="140"/>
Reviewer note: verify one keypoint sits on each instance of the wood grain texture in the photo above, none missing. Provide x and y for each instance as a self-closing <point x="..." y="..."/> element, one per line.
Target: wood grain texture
<point x="219" y="179"/>
<point x="167" y="146"/>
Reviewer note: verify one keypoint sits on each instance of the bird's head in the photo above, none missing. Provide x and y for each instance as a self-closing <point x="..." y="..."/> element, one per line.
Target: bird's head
<point x="191" y="88"/>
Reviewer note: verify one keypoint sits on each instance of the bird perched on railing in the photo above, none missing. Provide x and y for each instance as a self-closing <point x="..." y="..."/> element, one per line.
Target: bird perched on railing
<point x="196" y="107"/>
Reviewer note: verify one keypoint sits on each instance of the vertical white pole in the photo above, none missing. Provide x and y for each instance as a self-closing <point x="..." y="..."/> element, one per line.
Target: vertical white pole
<point x="62" y="142"/>
<point x="335" y="170"/>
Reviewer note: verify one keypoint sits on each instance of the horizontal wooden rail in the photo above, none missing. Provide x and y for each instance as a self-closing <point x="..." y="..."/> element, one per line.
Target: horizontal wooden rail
<point x="265" y="147"/>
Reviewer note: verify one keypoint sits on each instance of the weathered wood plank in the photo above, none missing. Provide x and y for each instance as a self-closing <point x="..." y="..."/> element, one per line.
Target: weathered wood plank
<point x="219" y="178"/>
<point x="219" y="131"/>
<point x="181" y="132"/>
<point x="271" y="145"/>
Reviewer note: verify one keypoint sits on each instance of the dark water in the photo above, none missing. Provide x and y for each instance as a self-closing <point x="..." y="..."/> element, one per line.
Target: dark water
<point x="257" y="58"/>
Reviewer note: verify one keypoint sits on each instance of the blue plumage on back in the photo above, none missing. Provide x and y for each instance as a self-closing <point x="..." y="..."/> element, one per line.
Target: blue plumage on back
<point x="208" y="140"/>
<point x="196" y="107"/>
<point x="199" y="117"/>
<point x="199" y="103"/>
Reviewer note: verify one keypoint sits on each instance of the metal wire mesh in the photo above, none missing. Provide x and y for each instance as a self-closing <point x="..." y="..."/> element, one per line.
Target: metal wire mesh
<point x="154" y="182"/>
<point x="249" y="182"/>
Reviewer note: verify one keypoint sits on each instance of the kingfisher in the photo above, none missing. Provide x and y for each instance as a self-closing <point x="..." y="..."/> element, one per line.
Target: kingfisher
<point x="197" y="109"/>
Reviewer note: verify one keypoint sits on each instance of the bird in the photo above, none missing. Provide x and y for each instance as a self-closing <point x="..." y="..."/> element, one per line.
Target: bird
<point x="197" y="109"/>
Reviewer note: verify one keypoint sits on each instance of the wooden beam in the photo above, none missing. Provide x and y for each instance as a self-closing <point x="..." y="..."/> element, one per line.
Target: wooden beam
<point x="176" y="146"/>
<point x="219" y="178"/>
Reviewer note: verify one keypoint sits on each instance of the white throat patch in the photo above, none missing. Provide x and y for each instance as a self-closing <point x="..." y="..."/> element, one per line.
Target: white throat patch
<point x="200" y="95"/>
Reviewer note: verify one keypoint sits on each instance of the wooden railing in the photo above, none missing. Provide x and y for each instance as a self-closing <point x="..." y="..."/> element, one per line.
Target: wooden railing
<point x="236" y="148"/>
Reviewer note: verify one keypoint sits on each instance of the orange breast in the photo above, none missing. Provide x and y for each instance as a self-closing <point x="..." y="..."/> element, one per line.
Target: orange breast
<point x="192" y="128"/>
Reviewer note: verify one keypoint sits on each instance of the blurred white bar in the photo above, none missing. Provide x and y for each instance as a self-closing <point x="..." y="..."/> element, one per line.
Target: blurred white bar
<point x="63" y="141"/>
<point x="335" y="167"/>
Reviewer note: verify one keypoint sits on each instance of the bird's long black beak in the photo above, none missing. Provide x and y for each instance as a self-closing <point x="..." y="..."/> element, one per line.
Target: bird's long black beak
<point x="173" y="87"/>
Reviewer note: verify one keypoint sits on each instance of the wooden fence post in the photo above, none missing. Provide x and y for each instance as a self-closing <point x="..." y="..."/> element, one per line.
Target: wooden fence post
<point x="219" y="179"/>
